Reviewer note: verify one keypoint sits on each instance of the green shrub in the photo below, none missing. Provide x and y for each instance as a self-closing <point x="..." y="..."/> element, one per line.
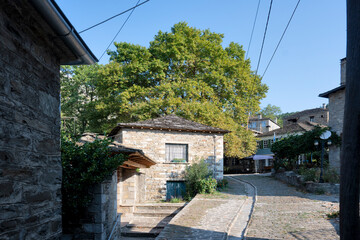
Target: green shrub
<point x="207" y="185"/>
<point x="221" y="184"/>
<point x="83" y="166"/>
<point x="310" y="174"/>
<point x="331" y="176"/>
<point x="176" y="200"/>
<point x="313" y="174"/>
<point x="193" y="176"/>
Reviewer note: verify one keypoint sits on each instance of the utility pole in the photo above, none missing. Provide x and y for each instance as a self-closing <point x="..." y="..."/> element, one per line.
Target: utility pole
<point x="350" y="154"/>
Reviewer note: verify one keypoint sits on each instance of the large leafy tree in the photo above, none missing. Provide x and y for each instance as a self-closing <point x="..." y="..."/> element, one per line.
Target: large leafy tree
<point x="187" y="72"/>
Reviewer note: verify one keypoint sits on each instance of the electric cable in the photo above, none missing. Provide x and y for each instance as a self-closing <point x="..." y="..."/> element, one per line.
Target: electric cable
<point x="281" y="38"/>
<point x="119" y="30"/>
<point x="262" y="45"/>
<point x="113" y="17"/>
<point x="252" y="31"/>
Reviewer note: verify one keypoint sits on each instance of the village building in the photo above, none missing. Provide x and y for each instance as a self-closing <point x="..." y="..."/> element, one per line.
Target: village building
<point x="336" y="98"/>
<point x="262" y="125"/>
<point x="173" y="143"/>
<point x="36" y="38"/>
<point x="315" y="115"/>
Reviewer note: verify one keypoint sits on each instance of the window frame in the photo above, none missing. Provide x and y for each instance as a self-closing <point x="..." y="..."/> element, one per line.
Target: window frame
<point x="177" y="144"/>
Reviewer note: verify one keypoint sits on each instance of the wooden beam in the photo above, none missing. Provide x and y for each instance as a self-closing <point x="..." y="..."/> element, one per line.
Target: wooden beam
<point x="350" y="155"/>
<point x="134" y="164"/>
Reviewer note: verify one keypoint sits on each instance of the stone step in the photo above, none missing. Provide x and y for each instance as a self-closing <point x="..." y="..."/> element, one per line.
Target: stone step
<point x="154" y="214"/>
<point x="140" y="231"/>
<point x="149" y="222"/>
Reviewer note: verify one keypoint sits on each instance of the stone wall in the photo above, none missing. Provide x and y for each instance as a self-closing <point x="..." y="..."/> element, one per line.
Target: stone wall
<point x="205" y="146"/>
<point x="298" y="181"/>
<point x="336" y="109"/>
<point x="100" y="219"/>
<point x="30" y="165"/>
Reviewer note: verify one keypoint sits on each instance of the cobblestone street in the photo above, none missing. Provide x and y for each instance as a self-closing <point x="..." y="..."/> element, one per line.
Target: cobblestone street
<point x="281" y="212"/>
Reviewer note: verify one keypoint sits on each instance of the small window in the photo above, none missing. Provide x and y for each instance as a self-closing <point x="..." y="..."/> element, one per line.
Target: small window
<point x="322" y="116"/>
<point x="266" y="144"/>
<point x="311" y="118"/>
<point x="176" y="152"/>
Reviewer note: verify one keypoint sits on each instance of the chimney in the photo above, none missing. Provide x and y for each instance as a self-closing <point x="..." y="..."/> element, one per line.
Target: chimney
<point x="275" y="119"/>
<point x="324" y="106"/>
<point x="343" y="71"/>
<point x="260" y="116"/>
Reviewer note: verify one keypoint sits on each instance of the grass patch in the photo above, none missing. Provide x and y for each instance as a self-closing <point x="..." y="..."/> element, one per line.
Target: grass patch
<point x="215" y="195"/>
<point x="333" y="215"/>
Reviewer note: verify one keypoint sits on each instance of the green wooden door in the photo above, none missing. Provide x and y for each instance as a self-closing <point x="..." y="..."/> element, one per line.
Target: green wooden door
<point x="175" y="189"/>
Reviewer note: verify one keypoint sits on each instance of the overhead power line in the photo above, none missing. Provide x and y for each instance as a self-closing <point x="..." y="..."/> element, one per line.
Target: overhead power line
<point x="113" y="17"/>
<point x="262" y="45"/>
<point x="119" y="30"/>
<point x="281" y="38"/>
<point x="252" y="31"/>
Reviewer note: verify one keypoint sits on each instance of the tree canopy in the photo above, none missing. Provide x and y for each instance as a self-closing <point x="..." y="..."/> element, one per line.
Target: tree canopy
<point x="186" y="71"/>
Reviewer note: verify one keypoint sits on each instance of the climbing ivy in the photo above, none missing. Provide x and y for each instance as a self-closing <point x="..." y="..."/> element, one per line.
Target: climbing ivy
<point x="287" y="149"/>
<point x="83" y="166"/>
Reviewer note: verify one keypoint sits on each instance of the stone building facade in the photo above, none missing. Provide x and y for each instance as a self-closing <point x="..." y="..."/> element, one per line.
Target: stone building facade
<point x="154" y="136"/>
<point x="314" y="115"/>
<point x="336" y="98"/>
<point x="262" y="125"/>
<point x="30" y="166"/>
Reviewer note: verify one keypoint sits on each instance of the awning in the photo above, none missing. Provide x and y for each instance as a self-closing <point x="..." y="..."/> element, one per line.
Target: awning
<point x="262" y="157"/>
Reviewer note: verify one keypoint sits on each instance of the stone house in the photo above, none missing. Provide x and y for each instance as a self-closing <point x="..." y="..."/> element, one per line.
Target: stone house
<point x="262" y="125"/>
<point x="316" y="115"/>
<point x="36" y="38"/>
<point x="174" y="143"/>
<point x="336" y="98"/>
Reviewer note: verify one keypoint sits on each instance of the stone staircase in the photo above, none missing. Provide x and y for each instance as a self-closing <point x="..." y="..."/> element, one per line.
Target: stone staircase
<point x="147" y="220"/>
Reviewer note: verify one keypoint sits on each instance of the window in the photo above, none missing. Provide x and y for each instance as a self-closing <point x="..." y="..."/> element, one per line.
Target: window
<point x="176" y="152"/>
<point x="311" y="118"/>
<point x="266" y="143"/>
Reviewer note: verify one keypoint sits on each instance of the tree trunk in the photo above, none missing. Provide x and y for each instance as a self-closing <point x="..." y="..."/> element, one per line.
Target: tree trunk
<point x="350" y="157"/>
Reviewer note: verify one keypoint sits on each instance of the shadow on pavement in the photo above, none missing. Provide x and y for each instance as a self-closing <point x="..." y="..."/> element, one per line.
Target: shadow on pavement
<point x="176" y="232"/>
<point x="275" y="188"/>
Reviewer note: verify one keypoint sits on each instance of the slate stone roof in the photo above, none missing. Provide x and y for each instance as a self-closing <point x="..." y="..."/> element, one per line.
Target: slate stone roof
<point x="306" y="112"/>
<point x="292" y="128"/>
<point x="169" y="122"/>
<point x="327" y="94"/>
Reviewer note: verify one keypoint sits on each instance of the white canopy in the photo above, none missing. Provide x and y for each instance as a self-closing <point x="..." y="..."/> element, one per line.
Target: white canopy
<point x="262" y="157"/>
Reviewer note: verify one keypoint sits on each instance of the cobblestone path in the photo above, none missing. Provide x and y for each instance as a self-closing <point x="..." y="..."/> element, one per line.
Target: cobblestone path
<point x="281" y="212"/>
<point x="207" y="216"/>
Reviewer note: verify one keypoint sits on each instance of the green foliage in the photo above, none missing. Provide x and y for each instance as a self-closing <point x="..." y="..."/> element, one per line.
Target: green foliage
<point x="310" y="174"/>
<point x="270" y="111"/>
<point x="207" y="185"/>
<point x="83" y="166"/>
<point x="313" y="174"/>
<point x="333" y="215"/>
<point x="194" y="174"/>
<point x="187" y="72"/>
<point x="176" y="200"/>
<point x="222" y="184"/>
<point x="331" y="176"/>
<point x="287" y="149"/>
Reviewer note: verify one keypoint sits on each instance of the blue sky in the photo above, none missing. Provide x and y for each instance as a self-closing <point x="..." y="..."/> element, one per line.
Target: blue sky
<point x="307" y="62"/>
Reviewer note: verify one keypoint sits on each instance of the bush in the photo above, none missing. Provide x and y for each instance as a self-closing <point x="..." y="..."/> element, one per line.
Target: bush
<point x="221" y="184"/>
<point x="83" y="166"/>
<point x="207" y="185"/>
<point x="313" y="174"/>
<point x="193" y="176"/>
<point x="331" y="176"/>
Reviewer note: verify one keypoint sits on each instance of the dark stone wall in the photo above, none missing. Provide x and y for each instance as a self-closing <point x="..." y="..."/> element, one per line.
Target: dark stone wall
<point x="30" y="164"/>
<point x="100" y="220"/>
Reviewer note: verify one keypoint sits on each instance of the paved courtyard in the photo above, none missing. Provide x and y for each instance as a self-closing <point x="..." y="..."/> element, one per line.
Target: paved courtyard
<point x="281" y="212"/>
